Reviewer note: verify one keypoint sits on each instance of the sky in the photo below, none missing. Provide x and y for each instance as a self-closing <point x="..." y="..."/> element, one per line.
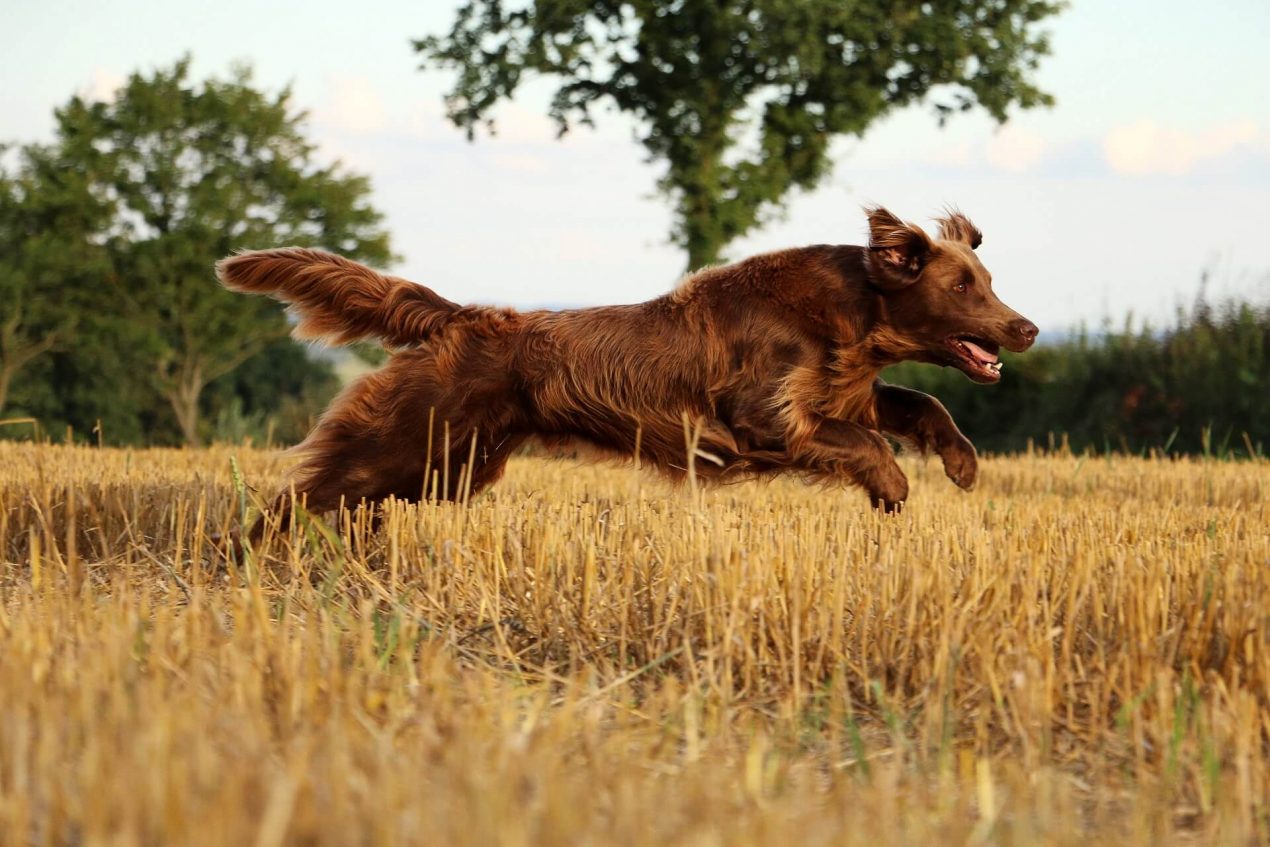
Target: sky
<point x="1152" y="168"/>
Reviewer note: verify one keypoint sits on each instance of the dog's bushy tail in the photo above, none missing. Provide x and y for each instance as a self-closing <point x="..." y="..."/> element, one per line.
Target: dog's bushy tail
<point x="337" y="299"/>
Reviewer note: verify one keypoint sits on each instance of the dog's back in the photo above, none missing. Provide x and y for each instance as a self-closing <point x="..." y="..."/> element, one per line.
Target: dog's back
<point x="714" y="352"/>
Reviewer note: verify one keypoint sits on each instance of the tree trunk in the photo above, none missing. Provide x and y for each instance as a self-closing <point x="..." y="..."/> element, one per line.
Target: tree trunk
<point x="183" y="386"/>
<point x="700" y="201"/>
<point x="14" y="355"/>
<point x="702" y="234"/>
<point x="6" y="375"/>
<point x="183" y="394"/>
<point x="702" y="249"/>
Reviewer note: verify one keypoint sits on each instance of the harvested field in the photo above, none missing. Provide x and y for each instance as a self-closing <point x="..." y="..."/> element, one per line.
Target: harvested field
<point x="1076" y="653"/>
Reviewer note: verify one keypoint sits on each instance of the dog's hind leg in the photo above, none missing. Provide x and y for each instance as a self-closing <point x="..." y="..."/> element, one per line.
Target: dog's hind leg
<point x="371" y="439"/>
<point x="343" y="476"/>
<point x="405" y="461"/>
<point x="410" y="431"/>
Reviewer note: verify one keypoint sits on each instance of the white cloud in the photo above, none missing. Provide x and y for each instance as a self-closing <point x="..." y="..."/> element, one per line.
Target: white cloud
<point x="959" y="155"/>
<point x="1015" y="149"/>
<point x="104" y="85"/>
<point x="426" y="121"/>
<point x="1146" y="147"/>
<point x="354" y="106"/>
<point x="977" y="145"/>
<point x="352" y="153"/>
<point x="516" y="123"/>
<point x="523" y="164"/>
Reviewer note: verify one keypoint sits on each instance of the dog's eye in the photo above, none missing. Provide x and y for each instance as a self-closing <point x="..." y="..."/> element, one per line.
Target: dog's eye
<point x="961" y="288"/>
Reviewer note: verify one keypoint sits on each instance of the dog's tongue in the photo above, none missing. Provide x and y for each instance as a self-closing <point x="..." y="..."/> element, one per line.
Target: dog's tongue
<point x="979" y="353"/>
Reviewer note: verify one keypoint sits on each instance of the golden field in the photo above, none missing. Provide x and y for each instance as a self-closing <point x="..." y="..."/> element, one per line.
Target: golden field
<point x="1075" y="653"/>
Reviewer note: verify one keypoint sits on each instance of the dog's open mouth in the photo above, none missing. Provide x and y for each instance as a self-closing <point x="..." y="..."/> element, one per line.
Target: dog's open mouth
<point x="976" y="357"/>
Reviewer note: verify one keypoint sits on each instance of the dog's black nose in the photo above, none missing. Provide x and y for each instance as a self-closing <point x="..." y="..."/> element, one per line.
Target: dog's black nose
<point x="1028" y="330"/>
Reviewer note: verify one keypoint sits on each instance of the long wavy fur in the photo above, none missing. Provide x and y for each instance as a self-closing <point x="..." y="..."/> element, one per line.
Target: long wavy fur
<point x="337" y="300"/>
<point x="767" y="365"/>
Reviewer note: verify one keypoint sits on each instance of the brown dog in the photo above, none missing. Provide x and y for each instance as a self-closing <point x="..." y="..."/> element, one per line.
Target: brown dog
<point x="773" y="363"/>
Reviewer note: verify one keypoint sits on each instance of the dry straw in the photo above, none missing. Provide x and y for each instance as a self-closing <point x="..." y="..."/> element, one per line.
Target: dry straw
<point x="1076" y="653"/>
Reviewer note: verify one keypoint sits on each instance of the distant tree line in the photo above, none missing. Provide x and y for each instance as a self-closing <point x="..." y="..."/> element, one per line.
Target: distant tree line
<point x="1200" y="386"/>
<point x="111" y="320"/>
<point x="112" y="325"/>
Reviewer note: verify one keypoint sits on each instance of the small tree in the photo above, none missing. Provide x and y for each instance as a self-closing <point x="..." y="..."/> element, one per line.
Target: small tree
<point x="46" y="259"/>
<point x="189" y="173"/>
<point x="741" y="98"/>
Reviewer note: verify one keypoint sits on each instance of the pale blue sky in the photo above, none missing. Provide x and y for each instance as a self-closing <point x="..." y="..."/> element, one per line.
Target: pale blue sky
<point x="1154" y="164"/>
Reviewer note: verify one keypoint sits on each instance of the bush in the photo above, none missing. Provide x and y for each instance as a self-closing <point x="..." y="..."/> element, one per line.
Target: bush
<point x="1199" y="386"/>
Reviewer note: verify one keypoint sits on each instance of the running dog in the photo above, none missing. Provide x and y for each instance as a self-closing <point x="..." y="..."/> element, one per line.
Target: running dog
<point x="770" y="365"/>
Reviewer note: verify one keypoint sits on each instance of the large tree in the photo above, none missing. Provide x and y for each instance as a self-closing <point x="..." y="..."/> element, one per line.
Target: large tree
<point x="189" y="172"/>
<point x="740" y="99"/>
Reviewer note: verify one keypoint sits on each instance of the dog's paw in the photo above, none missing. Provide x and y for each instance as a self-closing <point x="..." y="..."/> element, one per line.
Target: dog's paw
<point x="961" y="463"/>
<point x="888" y="488"/>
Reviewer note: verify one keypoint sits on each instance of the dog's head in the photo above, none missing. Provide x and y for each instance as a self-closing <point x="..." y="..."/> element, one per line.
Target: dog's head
<point x="938" y="296"/>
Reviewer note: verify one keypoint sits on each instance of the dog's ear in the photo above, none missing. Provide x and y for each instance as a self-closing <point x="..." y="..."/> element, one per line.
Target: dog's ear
<point x="954" y="226"/>
<point x="897" y="250"/>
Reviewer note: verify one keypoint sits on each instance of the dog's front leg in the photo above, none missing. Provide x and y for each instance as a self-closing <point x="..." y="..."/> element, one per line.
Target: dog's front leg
<point x="923" y="420"/>
<point x="842" y="449"/>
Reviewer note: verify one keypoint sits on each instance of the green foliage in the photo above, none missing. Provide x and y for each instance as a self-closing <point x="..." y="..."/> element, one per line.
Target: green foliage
<point x="741" y="98"/>
<point x="46" y="260"/>
<point x="171" y="175"/>
<point x="1198" y="387"/>
<point x="272" y="398"/>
